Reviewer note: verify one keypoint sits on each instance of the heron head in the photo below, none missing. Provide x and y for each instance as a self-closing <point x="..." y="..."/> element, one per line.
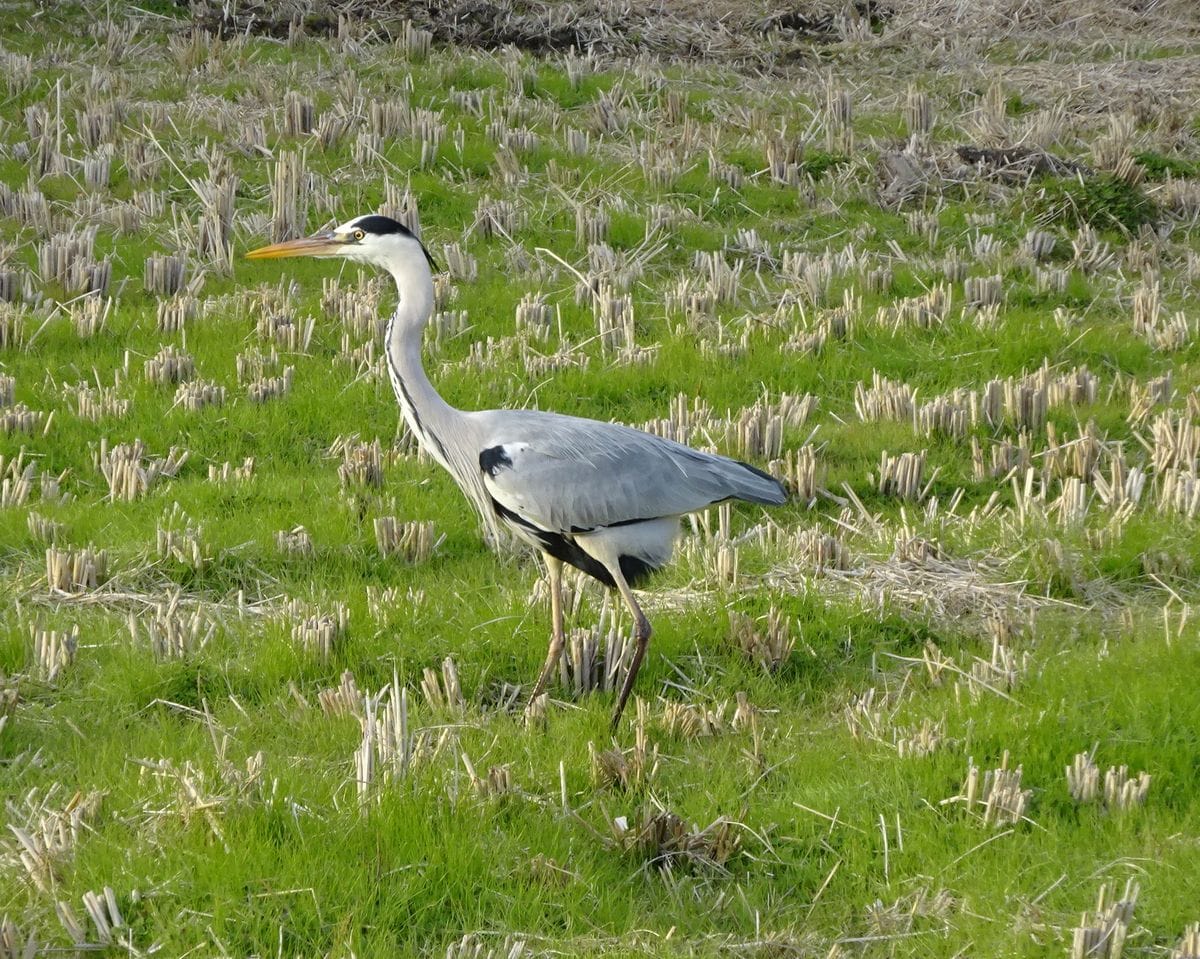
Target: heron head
<point x="374" y="239"/>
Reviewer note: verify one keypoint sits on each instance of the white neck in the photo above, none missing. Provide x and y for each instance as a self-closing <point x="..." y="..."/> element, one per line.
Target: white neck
<point x="426" y="413"/>
<point x="445" y="433"/>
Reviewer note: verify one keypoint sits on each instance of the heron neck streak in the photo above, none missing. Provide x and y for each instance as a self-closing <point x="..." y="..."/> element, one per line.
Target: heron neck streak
<point x="447" y="434"/>
<point x="426" y="413"/>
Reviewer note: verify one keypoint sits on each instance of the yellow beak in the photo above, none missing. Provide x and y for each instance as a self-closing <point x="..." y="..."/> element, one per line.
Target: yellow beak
<point x="323" y="244"/>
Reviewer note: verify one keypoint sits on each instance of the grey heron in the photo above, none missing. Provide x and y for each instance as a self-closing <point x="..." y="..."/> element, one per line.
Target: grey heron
<point x="602" y="497"/>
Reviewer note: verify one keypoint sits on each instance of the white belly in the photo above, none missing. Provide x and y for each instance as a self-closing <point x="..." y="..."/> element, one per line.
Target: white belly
<point x="652" y="541"/>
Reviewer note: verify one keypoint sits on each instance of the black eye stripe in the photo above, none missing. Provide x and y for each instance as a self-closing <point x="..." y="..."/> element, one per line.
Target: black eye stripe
<point x="378" y="225"/>
<point x="381" y="225"/>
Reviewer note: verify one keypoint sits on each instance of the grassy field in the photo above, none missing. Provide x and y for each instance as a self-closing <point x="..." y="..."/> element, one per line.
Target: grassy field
<point x="943" y="703"/>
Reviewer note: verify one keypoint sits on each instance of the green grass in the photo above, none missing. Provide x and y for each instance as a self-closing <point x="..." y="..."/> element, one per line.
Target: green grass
<point x="1106" y="201"/>
<point x="228" y="820"/>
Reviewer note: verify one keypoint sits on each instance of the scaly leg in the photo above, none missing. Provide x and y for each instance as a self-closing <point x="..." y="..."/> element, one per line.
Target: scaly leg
<point x="641" y="633"/>
<point x="554" y="572"/>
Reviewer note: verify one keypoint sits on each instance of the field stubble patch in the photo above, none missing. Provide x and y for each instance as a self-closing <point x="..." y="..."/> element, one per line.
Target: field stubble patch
<point x="982" y="402"/>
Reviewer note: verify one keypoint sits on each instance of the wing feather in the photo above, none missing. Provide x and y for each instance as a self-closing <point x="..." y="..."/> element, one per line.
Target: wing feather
<point x="569" y="475"/>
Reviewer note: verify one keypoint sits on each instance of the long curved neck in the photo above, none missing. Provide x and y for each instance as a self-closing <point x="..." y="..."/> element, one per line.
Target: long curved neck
<point x="433" y="421"/>
<point x="447" y="434"/>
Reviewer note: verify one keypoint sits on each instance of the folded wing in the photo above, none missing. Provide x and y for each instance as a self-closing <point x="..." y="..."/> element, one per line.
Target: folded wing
<point x="571" y="475"/>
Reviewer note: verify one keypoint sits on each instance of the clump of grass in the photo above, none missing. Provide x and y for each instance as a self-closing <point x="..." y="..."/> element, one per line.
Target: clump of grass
<point x="53" y="651"/>
<point x="1188" y="946"/>
<point x="1158" y="166"/>
<point x="1101" y="933"/>
<point x="629" y="770"/>
<point x="667" y="841"/>
<point x="998" y="791"/>
<point x="443" y="690"/>
<point x="412" y="541"/>
<point x="1105" y="201"/>
<point x="769" y="647"/>
<point x="72" y="570"/>
<point x="318" y="631"/>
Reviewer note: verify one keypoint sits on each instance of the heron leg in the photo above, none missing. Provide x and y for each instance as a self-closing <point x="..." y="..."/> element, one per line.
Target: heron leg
<point x="554" y="572"/>
<point x="641" y="634"/>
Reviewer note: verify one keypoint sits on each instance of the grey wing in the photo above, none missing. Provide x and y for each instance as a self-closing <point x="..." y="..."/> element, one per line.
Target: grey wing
<point x="569" y="475"/>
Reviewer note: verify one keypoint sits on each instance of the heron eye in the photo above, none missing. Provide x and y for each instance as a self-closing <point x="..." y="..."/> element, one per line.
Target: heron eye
<point x="359" y="234"/>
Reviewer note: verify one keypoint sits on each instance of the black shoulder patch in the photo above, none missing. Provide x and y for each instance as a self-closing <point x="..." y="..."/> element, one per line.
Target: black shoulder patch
<point x="493" y="460"/>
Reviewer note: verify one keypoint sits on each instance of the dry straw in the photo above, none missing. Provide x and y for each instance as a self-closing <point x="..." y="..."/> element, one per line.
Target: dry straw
<point x="270" y="387"/>
<point x="460" y="264"/>
<point x="1002" y="671"/>
<point x="227" y="473"/>
<point x="770" y="647"/>
<point x="20" y="419"/>
<point x="295" y="541"/>
<point x="902" y="476"/>
<point x="629" y="770"/>
<point x="289" y="198"/>
<point x="390" y="749"/>
<point x="41" y="529"/>
<point x="362" y="465"/>
<point x="818" y="550"/>
<point x="90" y="315"/>
<point x="662" y="839"/>
<point x="165" y="274"/>
<point x="94" y="403"/>
<point x="68" y="259"/>
<point x="475" y="946"/>
<point x="884" y="400"/>
<point x="442" y="690"/>
<point x="178" y="540"/>
<point x="169" y="365"/>
<point x="998" y="791"/>
<point x="199" y="394"/>
<point x="497" y="783"/>
<point x="12" y="326"/>
<point x="75" y="570"/>
<point x="923" y="740"/>
<point x="16" y="479"/>
<point x="106" y="921"/>
<point x="1121" y="792"/>
<point x="344" y="699"/>
<point x="801" y="472"/>
<point x="382" y="601"/>
<point x="1188" y="946"/>
<point x="130" y="473"/>
<point x="688" y="721"/>
<point x="46" y="836"/>
<point x="318" y="631"/>
<point x="414" y="541"/>
<point x="170" y="631"/>
<point x="1101" y="933"/>
<point x="53" y="651"/>
<point x="595" y="660"/>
